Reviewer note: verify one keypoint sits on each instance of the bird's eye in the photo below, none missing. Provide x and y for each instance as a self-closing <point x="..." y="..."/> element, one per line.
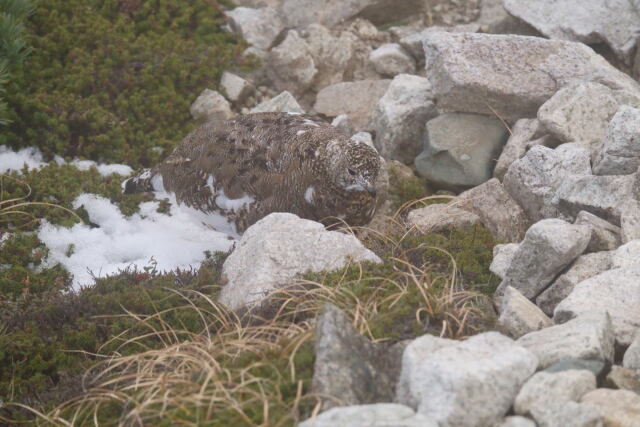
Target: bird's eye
<point x="351" y="171"/>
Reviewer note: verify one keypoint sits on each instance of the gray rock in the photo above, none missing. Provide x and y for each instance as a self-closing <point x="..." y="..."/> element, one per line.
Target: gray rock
<point x="211" y="105"/>
<point x="391" y="59"/>
<point x="522" y="133"/>
<point x="497" y="210"/>
<point x="619" y="153"/>
<point x="357" y="100"/>
<point x="494" y="19"/>
<point x="630" y="221"/>
<point x="616" y="291"/>
<point x="618" y="407"/>
<point x="603" y="196"/>
<point x="627" y="255"/>
<point x="374" y="415"/>
<point x="519" y="316"/>
<point x="550" y="399"/>
<point x="516" y="421"/>
<point x="347" y="369"/>
<point x="413" y="42"/>
<point x="548" y="247"/>
<point x="589" y="337"/>
<point x="579" y="113"/>
<point x="502" y="257"/>
<point x="534" y="180"/>
<point x="291" y="66"/>
<point x="441" y="216"/>
<point x="400" y="117"/>
<point x="479" y="376"/>
<point x="413" y="356"/>
<point x="596" y="367"/>
<point x="460" y="149"/>
<point x="585" y="267"/>
<point x="604" y="235"/>
<point x="385" y="12"/>
<point x="613" y="22"/>
<point x="259" y="27"/>
<point x="332" y="54"/>
<point x="283" y="103"/>
<point x="631" y="358"/>
<point x="302" y="13"/>
<point x="524" y="71"/>
<point x="235" y="87"/>
<point x="623" y="379"/>
<point x="364" y="137"/>
<point x="278" y="247"/>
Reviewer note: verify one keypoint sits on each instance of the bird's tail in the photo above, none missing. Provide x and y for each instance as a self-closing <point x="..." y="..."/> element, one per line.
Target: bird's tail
<point x="143" y="182"/>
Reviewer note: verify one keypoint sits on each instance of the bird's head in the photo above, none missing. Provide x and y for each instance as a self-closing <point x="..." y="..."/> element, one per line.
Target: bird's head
<point x="354" y="166"/>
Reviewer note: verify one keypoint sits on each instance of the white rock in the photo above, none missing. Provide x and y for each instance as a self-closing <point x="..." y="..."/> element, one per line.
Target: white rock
<point x="627" y="255"/>
<point x="516" y="421"/>
<point x="585" y="267"/>
<point x="279" y="247"/>
<point x="302" y="13"/>
<point x="413" y="43"/>
<point x="619" y="408"/>
<point x="235" y="87"/>
<point x="460" y="149"/>
<point x="534" y="180"/>
<point x="588" y="337"/>
<point x="519" y="316"/>
<point x="364" y="137"/>
<point x="579" y="113"/>
<point x="550" y="399"/>
<point x="613" y="22"/>
<point x="630" y="221"/>
<point x="259" y="27"/>
<point x="502" y="257"/>
<point x="497" y="210"/>
<point x="631" y="358"/>
<point x="283" y="103"/>
<point x="604" y="235"/>
<point x="357" y="100"/>
<point x="400" y="117"/>
<point x="374" y="415"/>
<point x="548" y="246"/>
<point x="616" y="291"/>
<point x="391" y="59"/>
<point x="343" y="123"/>
<point x="522" y="133"/>
<point x="414" y="354"/>
<point x="524" y="71"/>
<point x="619" y="153"/>
<point x="479" y="376"/>
<point x="291" y="66"/>
<point x="211" y="105"/>
<point x="604" y="196"/>
<point x="441" y="216"/>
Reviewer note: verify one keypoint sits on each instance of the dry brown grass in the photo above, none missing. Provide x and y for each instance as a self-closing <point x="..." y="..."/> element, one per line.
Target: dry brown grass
<point x="235" y="368"/>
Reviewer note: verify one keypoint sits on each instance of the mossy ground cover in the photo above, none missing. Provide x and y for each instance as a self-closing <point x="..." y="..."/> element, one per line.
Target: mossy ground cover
<point x="112" y="80"/>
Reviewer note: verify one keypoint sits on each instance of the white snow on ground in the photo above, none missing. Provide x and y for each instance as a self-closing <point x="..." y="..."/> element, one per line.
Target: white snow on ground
<point x="15" y="160"/>
<point x="173" y="241"/>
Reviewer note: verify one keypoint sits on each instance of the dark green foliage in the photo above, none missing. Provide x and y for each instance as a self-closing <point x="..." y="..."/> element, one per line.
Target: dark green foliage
<point x="49" y="338"/>
<point x="112" y="80"/>
<point x="13" y="48"/>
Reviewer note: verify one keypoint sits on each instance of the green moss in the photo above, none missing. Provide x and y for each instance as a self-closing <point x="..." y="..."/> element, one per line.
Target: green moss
<point x="114" y="83"/>
<point x="406" y="190"/>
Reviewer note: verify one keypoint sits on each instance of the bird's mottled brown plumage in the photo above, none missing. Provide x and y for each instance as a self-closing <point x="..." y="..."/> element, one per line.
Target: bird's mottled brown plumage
<point x="256" y="164"/>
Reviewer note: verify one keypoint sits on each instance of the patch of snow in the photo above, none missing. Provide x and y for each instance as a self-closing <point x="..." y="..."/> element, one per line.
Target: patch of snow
<point x="308" y="195"/>
<point x="119" y="242"/>
<point x="227" y="204"/>
<point x="32" y="157"/>
<point x="157" y="183"/>
<point x="15" y="160"/>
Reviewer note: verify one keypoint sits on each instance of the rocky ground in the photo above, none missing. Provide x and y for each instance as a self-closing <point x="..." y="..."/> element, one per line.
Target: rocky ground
<point x="530" y="111"/>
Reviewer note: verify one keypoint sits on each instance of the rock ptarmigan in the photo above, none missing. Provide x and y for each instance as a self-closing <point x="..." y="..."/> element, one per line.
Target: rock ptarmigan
<point x="257" y="164"/>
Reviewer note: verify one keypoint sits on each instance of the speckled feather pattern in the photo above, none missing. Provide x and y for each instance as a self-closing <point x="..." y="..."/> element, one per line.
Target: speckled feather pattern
<point x="257" y="164"/>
